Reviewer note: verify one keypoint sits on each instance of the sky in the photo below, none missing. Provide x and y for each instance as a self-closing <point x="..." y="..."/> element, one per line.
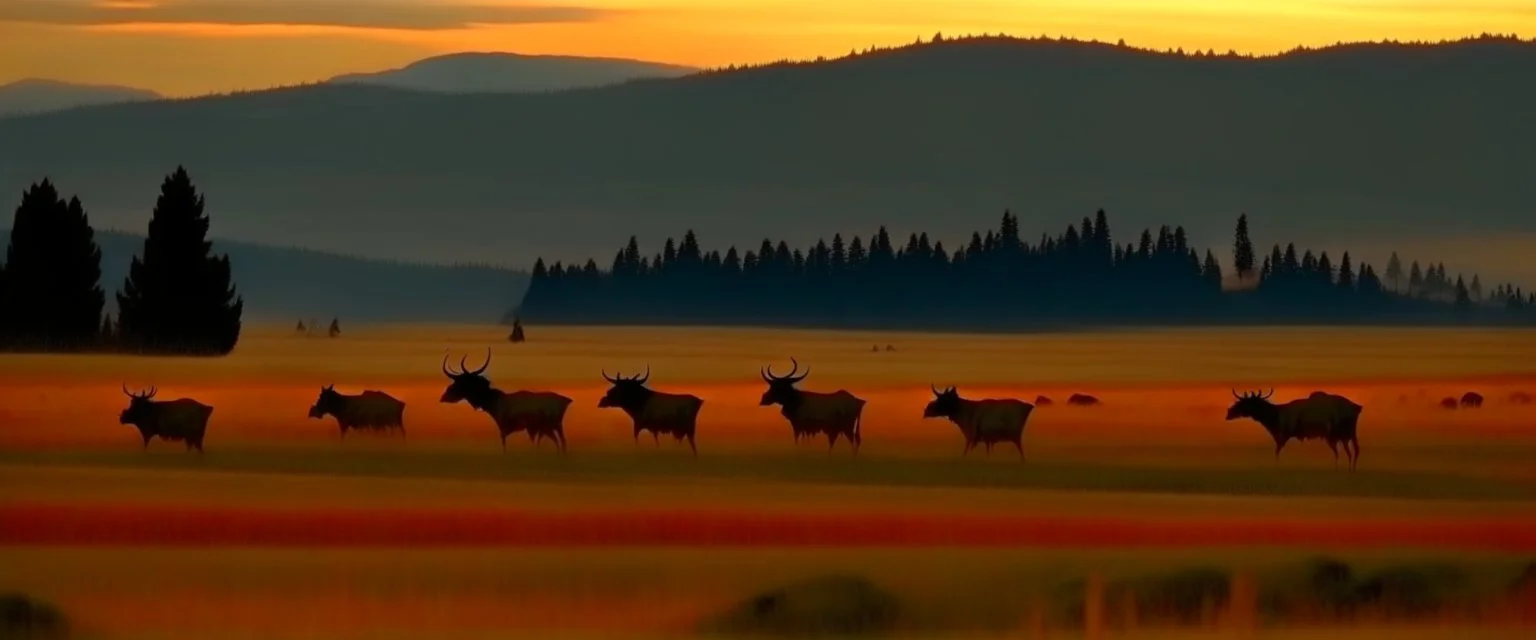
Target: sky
<point x="191" y="47"/>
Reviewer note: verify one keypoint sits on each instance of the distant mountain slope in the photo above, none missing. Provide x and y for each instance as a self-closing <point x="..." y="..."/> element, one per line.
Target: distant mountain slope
<point x="40" y="96"/>
<point x="286" y="284"/>
<point x="511" y="72"/>
<point x="1348" y="146"/>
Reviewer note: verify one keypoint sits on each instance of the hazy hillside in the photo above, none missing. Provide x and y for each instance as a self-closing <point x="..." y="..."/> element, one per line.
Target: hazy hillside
<point x="1360" y="146"/>
<point x="286" y="284"/>
<point x="40" y="96"/>
<point x="511" y="72"/>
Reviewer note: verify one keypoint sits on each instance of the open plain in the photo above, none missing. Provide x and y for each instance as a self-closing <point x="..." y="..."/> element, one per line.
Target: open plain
<point x="283" y="529"/>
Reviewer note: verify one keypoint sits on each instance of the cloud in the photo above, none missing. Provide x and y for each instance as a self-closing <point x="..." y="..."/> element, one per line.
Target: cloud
<point x="416" y="15"/>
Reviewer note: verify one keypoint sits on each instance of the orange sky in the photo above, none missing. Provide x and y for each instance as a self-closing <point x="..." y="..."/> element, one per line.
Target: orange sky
<point x="185" y="47"/>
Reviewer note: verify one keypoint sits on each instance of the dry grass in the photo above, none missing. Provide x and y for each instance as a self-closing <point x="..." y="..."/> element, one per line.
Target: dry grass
<point x="1157" y="452"/>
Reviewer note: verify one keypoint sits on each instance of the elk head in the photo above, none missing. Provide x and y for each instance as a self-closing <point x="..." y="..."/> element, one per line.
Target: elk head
<point x="138" y="406"/>
<point x="628" y="392"/>
<point x="1250" y="405"/>
<point x="466" y="384"/>
<point x="781" y="389"/>
<point x="945" y="403"/>
<point x="326" y="402"/>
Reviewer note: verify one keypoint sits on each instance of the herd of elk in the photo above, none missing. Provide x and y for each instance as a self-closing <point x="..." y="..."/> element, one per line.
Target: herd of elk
<point x="1331" y="418"/>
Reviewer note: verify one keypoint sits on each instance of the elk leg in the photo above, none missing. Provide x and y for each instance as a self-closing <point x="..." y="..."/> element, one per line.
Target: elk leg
<point x="969" y="444"/>
<point x="503" y="443"/>
<point x="146" y="442"/>
<point x="1020" y="446"/>
<point x="655" y="437"/>
<point x="1356" y="458"/>
<point x="1333" y="445"/>
<point x="831" y="441"/>
<point x="691" y="446"/>
<point x="560" y="441"/>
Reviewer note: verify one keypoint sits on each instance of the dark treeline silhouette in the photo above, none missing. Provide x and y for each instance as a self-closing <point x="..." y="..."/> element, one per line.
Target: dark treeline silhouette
<point x="995" y="281"/>
<point x="176" y="299"/>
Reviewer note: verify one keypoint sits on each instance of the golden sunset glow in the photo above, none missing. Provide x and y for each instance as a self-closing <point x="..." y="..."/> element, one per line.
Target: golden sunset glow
<point x="187" y="47"/>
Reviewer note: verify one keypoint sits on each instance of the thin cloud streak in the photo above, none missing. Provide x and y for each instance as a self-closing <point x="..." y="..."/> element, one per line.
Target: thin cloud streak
<point x="324" y="13"/>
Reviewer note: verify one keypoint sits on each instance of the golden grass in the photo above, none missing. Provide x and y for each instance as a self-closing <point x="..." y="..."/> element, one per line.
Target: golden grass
<point x="1158" y="450"/>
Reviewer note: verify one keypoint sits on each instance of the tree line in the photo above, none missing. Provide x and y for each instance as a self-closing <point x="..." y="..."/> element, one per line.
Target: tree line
<point x="177" y="298"/>
<point x="997" y="280"/>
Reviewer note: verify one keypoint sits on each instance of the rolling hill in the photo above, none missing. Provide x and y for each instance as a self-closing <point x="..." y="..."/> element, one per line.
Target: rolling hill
<point x="476" y="72"/>
<point x="1361" y="146"/>
<point x="32" y="96"/>
<point x="285" y="284"/>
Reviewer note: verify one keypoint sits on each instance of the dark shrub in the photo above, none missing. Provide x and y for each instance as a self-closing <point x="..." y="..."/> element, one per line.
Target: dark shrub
<point x="834" y="605"/>
<point x="23" y="617"/>
<point x="1409" y="590"/>
<point x="1177" y="598"/>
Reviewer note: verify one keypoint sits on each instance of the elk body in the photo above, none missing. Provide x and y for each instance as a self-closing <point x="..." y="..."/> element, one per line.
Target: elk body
<point x="1331" y="418"/>
<point x="986" y="422"/>
<point x="1472" y="400"/>
<point x="1448" y="403"/>
<point x="539" y="413"/>
<point x="835" y="414"/>
<point x="373" y="410"/>
<point x="182" y="419"/>
<point x="1520" y="397"/>
<point x="673" y="414"/>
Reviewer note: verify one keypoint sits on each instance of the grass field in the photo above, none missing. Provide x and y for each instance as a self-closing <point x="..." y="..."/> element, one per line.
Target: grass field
<point x="284" y="530"/>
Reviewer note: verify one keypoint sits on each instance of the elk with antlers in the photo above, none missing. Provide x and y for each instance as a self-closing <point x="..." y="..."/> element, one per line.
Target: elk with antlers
<point x="987" y="422"/>
<point x="182" y="419"/>
<point x="370" y="410"/>
<point x="674" y="414"/>
<point x="836" y="414"/>
<point x="1332" y="418"/>
<point x="540" y="413"/>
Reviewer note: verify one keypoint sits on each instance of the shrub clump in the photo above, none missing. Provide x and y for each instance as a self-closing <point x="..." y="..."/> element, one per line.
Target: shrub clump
<point x="1331" y="589"/>
<point x="1178" y="598"/>
<point x="828" y="606"/>
<point x="24" y="617"/>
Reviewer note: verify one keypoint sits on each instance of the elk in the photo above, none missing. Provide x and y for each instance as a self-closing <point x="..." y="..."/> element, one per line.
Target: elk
<point x="836" y="414"/>
<point x="1329" y="417"/>
<point x="1082" y="400"/>
<point x="1472" y="400"/>
<point x="674" y="414"/>
<point x="540" y="413"/>
<point x="369" y="410"/>
<point x="982" y="421"/>
<point x="1043" y="401"/>
<point x="1520" y="397"/>
<point x="1448" y="403"/>
<point x="182" y="419"/>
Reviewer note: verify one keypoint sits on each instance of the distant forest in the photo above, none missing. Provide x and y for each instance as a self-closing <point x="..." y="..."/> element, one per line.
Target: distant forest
<point x="997" y="281"/>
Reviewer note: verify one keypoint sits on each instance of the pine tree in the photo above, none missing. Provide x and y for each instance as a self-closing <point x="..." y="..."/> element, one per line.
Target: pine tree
<point x="1476" y="289"/>
<point x="1415" y="280"/>
<point x="1346" y="280"/>
<point x="53" y="298"/>
<point x="1242" y="250"/>
<point x="1394" y="271"/>
<point x="1463" y="300"/>
<point x="1211" y="270"/>
<point x="178" y="298"/>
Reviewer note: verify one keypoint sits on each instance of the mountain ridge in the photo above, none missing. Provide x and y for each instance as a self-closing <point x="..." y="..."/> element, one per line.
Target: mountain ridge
<point x="1360" y="142"/>
<point x="503" y="72"/>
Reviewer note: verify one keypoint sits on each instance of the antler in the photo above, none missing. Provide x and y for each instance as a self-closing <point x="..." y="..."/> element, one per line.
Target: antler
<point x="446" y="372"/>
<point x="790" y="377"/>
<point x="483" y="367"/>
<point x="142" y="395"/>
<point x="644" y="377"/>
<point x="151" y="393"/>
<point x="610" y="380"/>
